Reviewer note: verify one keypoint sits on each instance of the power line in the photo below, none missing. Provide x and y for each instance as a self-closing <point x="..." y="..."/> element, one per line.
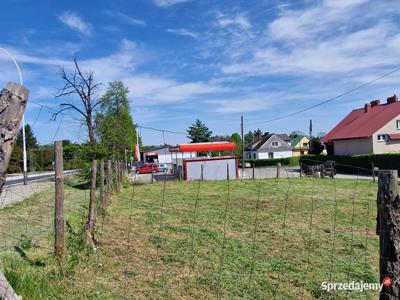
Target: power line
<point x="162" y="130"/>
<point x="328" y="100"/>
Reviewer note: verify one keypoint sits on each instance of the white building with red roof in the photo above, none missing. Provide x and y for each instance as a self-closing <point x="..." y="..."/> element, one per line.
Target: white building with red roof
<point x="372" y="129"/>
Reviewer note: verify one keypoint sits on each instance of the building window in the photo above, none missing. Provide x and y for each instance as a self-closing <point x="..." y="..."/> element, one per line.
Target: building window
<point x="270" y="154"/>
<point x="275" y="144"/>
<point x="381" y="137"/>
<point x="398" y="124"/>
<point x="305" y="144"/>
<point x="254" y="155"/>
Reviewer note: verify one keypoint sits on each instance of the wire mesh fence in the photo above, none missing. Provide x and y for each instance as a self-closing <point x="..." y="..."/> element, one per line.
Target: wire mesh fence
<point x="259" y="239"/>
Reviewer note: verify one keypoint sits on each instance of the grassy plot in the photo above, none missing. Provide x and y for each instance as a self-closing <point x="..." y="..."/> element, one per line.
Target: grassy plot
<point x="268" y="239"/>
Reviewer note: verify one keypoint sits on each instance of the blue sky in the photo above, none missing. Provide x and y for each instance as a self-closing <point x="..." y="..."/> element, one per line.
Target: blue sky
<point x="207" y="59"/>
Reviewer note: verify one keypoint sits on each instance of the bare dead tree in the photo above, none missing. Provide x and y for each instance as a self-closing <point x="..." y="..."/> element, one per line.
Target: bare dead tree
<point x="82" y="85"/>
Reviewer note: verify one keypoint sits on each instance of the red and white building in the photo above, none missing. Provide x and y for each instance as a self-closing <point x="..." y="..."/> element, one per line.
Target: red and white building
<point x="375" y="128"/>
<point x="206" y="167"/>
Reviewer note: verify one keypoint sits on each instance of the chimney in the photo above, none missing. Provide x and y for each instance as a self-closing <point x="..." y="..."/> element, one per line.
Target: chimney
<point x="367" y="107"/>
<point x="375" y="103"/>
<point x="392" y="99"/>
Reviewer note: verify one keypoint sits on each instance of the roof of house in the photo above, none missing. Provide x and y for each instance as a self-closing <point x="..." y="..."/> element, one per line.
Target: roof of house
<point x="364" y="122"/>
<point x="263" y="143"/>
<point x="257" y="144"/>
<point x="297" y="140"/>
<point x="284" y="137"/>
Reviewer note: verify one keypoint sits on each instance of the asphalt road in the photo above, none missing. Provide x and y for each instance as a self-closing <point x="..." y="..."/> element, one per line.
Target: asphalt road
<point x="16" y="180"/>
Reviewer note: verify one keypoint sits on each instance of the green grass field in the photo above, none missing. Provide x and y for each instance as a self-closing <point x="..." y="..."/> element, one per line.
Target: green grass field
<point x="268" y="239"/>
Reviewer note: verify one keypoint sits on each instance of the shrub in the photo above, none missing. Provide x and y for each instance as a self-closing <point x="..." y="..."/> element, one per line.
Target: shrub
<point x="357" y="163"/>
<point x="287" y="161"/>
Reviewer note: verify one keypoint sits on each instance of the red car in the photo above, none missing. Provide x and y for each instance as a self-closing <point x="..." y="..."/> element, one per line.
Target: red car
<point x="147" y="168"/>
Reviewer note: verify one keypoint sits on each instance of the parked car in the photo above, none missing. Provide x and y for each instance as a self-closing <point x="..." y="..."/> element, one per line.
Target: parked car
<point x="162" y="167"/>
<point x="147" y="168"/>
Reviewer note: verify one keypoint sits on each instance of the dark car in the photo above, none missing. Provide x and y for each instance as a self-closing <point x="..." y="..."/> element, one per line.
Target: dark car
<point x="147" y="168"/>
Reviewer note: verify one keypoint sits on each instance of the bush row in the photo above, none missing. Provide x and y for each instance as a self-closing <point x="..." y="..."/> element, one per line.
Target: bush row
<point x="287" y="161"/>
<point x="357" y="163"/>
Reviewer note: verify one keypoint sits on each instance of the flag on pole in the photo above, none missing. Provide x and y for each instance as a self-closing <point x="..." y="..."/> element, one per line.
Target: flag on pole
<point x="137" y="153"/>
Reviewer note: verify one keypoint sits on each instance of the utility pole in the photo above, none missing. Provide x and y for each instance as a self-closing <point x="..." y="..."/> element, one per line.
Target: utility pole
<point x="310" y="129"/>
<point x="241" y="130"/>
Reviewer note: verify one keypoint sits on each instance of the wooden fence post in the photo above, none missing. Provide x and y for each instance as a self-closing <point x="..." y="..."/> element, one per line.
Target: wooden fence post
<point x="116" y="176"/>
<point x="60" y="248"/>
<point x="102" y="196"/>
<point x="278" y="170"/>
<point x="109" y="180"/>
<point x="253" y="170"/>
<point x="90" y="221"/>
<point x="13" y="99"/>
<point x="388" y="229"/>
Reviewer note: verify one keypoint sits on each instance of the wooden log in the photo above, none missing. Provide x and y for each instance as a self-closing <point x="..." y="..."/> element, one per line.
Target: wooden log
<point x="102" y="195"/>
<point x="388" y="229"/>
<point x="90" y="220"/>
<point x="13" y="99"/>
<point x="60" y="248"/>
<point x="6" y="290"/>
<point x="109" y="180"/>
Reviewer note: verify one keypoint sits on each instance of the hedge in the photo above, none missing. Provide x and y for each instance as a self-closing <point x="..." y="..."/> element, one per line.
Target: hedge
<point x="287" y="161"/>
<point x="355" y="164"/>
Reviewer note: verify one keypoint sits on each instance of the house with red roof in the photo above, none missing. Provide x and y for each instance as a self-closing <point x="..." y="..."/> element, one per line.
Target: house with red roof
<point x="375" y="128"/>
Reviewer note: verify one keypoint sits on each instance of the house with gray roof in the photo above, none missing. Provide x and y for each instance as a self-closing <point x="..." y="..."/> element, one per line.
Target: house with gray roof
<point x="269" y="146"/>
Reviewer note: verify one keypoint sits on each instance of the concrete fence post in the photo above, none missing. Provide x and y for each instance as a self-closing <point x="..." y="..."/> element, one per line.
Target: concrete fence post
<point x="278" y="170"/>
<point x="388" y="229"/>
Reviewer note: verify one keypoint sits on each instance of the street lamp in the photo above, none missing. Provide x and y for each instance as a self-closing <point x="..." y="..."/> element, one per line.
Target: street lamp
<point x="23" y="120"/>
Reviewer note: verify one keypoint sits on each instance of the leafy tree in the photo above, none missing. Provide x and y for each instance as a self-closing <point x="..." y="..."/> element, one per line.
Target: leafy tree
<point x="199" y="132"/>
<point x="30" y="139"/>
<point x="249" y="138"/>
<point x="315" y="146"/>
<point x="295" y="133"/>
<point x="16" y="156"/>
<point x="257" y="134"/>
<point x="238" y="141"/>
<point x="115" y="125"/>
<point x="219" y="138"/>
<point x="80" y="85"/>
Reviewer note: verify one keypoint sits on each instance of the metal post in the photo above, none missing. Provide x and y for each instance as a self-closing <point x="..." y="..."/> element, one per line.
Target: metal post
<point x="301" y="168"/>
<point x="373" y="172"/>
<point x="242" y="134"/>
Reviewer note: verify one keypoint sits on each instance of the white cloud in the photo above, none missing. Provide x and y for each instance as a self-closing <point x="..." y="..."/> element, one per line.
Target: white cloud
<point x="167" y="3"/>
<point x="238" y="20"/>
<point x="125" y="18"/>
<point x="183" y="32"/>
<point x="332" y="37"/>
<point x="75" y="22"/>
